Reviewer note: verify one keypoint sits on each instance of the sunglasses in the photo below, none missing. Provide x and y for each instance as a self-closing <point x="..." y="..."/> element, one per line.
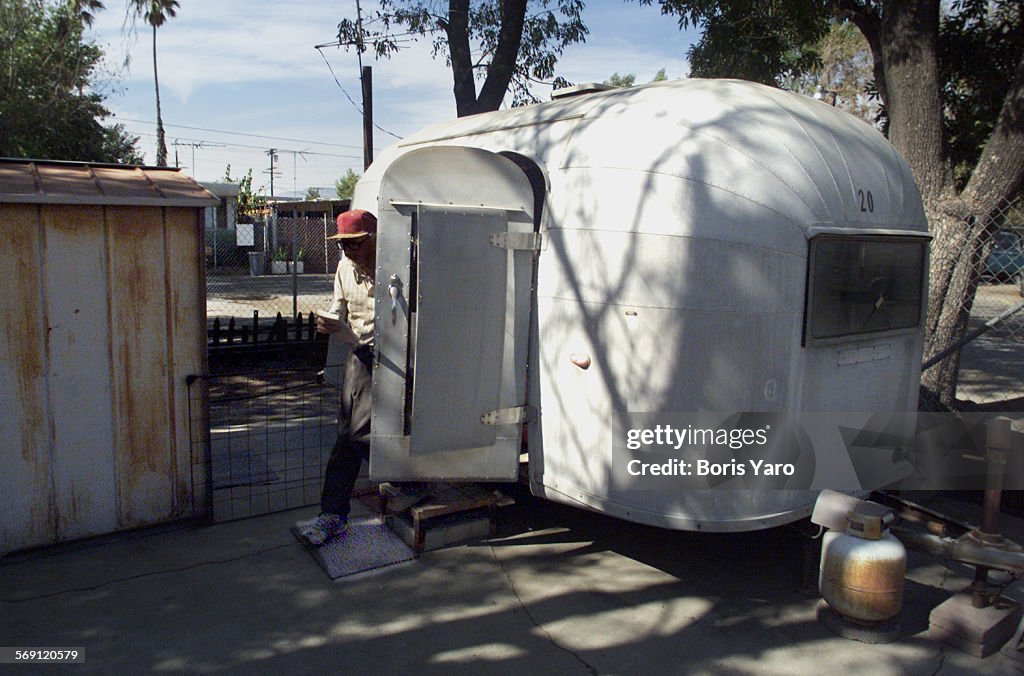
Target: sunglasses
<point x="352" y="244"/>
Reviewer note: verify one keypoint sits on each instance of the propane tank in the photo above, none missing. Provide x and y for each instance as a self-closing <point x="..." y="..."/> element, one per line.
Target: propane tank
<point x="862" y="569"/>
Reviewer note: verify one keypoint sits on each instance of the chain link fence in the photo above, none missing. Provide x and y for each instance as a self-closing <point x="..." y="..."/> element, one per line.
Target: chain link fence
<point x="272" y="420"/>
<point x="991" y="353"/>
<point x="280" y="266"/>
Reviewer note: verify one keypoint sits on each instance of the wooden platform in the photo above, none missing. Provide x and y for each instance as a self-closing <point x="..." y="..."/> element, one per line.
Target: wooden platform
<point x="449" y="513"/>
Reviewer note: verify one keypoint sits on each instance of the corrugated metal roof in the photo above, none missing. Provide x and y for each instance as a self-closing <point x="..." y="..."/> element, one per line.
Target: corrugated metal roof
<point x="51" y="182"/>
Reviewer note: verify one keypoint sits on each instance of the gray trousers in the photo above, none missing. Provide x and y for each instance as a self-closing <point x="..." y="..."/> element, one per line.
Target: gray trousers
<point x="353" y="443"/>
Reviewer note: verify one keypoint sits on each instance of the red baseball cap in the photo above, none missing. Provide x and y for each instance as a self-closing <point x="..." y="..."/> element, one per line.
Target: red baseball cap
<point x="355" y="223"/>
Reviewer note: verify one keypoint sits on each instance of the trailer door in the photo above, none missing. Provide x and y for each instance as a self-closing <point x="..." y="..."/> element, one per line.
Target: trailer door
<point x="454" y="258"/>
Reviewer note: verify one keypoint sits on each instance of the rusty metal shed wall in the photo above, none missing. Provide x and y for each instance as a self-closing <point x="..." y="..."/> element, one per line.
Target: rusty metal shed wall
<point x="103" y="320"/>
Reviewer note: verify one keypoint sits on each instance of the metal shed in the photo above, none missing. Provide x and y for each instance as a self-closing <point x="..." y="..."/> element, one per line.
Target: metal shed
<point x="103" y="320"/>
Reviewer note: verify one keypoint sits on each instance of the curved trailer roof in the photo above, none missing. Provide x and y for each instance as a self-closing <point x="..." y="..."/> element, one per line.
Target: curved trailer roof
<point x="803" y="160"/>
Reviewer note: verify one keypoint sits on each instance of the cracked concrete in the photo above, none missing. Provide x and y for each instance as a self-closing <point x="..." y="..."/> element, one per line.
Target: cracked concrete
<point x="559" y="591"/>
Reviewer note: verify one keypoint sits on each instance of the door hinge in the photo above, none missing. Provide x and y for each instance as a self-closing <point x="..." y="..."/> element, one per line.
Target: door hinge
<point x="517" y="241"/>
<point x="509" y="416"/>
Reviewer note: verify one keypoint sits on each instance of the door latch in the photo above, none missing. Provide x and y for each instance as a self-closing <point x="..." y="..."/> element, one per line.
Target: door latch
<point x="394" y="290"/>
<point x="517" y="241"/>
<point x="509" y="416"/>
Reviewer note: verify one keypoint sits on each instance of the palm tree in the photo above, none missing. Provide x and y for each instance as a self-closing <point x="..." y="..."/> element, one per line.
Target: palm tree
<point x="155" y="13"/>
<point x="84" y="10"/>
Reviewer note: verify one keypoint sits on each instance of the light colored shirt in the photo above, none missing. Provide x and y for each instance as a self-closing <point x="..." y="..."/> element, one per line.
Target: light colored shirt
<point x="353" y="299"/>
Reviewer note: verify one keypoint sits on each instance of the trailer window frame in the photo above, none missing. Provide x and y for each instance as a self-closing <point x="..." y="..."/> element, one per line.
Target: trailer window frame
<point x="816" y="330"/>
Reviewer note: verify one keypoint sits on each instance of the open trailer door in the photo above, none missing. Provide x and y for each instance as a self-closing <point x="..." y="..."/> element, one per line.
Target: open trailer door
<point x="454" y="261"/>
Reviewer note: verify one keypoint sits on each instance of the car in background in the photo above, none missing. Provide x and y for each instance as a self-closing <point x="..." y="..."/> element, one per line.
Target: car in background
<point x="1005" y="263"/>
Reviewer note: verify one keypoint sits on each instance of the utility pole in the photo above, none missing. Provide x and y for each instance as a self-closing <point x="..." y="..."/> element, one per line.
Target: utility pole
<point x="273" y="158"/>
<point x="366" y="78"/>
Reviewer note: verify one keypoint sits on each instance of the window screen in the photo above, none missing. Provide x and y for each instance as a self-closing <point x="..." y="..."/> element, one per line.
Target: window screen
<point x="864" y="285"/>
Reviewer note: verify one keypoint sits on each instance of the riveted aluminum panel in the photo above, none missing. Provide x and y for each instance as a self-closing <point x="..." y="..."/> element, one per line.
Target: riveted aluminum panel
<point x="478" y="297"/>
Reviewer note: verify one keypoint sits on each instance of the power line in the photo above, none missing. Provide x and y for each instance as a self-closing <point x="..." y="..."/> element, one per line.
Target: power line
<point x="354" y="104"/>
<point x="242" y="133"/>
<point x="248" y="147"/>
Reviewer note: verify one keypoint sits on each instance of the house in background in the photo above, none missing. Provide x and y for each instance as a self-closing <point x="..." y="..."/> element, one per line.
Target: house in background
<point x="224" y="215"/>
<point x="302" y="227"/>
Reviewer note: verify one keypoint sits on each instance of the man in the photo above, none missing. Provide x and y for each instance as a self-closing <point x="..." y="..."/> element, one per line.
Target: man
<point x="353" y="304"/>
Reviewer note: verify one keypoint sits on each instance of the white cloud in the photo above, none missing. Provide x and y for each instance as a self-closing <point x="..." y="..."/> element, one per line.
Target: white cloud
<point x="250" y="66"/>
<point x="227" y="42"/>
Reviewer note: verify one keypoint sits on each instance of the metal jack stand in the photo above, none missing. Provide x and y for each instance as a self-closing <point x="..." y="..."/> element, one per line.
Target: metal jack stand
<point x="972" y="620"/>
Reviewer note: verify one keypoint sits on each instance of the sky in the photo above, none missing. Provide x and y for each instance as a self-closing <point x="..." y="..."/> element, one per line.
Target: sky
<point x="241" y="77"/>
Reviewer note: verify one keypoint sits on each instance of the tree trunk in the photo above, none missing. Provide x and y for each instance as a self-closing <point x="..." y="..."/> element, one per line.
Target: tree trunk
<point x="906" y="39"/>
<point x="502" y="65"/>
<point x="909" y="32"/>
<point x="161" y="142"/>
<point x="457" y="29"/>
<point x="963" y="230"/>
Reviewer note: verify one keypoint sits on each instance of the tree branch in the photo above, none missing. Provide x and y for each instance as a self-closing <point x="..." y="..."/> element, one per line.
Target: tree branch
<point x="513" y="13"/>
<point x="999" y="174"/>
<point x="868" y="21"/>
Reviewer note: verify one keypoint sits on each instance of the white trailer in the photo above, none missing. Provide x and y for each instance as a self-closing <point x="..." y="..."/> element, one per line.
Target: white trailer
<point x="688" y="246"/>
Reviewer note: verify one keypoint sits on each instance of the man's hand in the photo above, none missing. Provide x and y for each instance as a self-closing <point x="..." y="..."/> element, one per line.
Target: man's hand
<point x="330" y="323"/>
<point x="326" y="325"/>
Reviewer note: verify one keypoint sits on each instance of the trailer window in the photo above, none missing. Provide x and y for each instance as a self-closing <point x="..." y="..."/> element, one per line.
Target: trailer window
<point x="863" y="285"/>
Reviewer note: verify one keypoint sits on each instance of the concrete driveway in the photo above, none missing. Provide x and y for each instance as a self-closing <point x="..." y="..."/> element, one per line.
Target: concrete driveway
<point x="559" y="591"/>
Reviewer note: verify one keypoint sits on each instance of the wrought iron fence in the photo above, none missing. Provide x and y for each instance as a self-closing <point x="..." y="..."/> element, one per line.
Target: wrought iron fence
<point x="990" y="374"/>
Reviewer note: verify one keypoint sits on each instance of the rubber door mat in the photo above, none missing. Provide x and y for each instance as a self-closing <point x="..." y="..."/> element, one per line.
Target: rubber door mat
<point x="366" y="545"/>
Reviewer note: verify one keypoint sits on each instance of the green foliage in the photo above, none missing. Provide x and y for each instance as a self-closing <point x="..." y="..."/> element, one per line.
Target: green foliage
<point x="758" y="40"/>
<point x="805" y="43"/>
<point x="48" y="109"/>
<point x="346" y="185"/>
<point x="312" y="194"/>
<point x="156" y="12"/>
<point x="617" y="80"/>
<point x="629" y="80"/>
<point x="503" y="45"/>
<point x="979" y="46"/>
<point x="845" y="75"/>
<point x="251" y="205"/>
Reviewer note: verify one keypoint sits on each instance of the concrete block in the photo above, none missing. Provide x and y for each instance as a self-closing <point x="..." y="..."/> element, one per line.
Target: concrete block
<point x="977" y="631"/>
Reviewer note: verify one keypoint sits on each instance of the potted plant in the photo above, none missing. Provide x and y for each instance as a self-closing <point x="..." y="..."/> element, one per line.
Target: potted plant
<point x="298" y="263"/>
<point x="279" y="263"/>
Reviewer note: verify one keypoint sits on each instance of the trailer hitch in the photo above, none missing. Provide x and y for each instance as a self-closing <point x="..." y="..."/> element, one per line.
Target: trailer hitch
<point x="983" y="547"/>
